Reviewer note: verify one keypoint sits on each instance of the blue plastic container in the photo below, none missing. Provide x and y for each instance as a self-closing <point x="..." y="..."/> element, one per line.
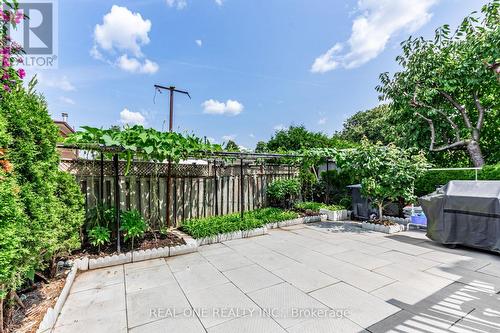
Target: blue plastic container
<point x="419" y="220"/>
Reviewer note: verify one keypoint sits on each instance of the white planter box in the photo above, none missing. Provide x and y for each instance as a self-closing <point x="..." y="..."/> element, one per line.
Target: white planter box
<point x="334" y="215"/>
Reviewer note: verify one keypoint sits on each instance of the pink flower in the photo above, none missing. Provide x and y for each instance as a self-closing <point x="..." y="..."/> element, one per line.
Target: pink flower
<point x="5" y="16"/>
<point x="19" y="17"/>
<point x="6" y="62"/>
<point x="21" y="72"/>
<point x="6" y="87"/>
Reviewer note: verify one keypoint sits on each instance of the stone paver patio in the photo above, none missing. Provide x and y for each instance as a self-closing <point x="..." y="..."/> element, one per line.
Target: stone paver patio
<point x="314" y="278"/>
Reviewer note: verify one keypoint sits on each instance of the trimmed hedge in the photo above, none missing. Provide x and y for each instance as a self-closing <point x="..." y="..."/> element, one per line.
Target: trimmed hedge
<point x="214" y="225"/>
<point x="433" y="179"/>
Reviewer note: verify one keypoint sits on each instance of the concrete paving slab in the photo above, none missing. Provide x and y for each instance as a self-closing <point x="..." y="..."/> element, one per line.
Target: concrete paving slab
<point x="152" y="277"/>
<point x="305" y="278"/>
<point x="91" y="305"/>
<point x="146" y="305"/>
<point x="178" y="324"/>
<point x="326" y="325"/>
<point x="414" y="262"/>
<point x="405" y="321"/>
<point x="271" y="260"/>
<point x="414" y="289"/>
<point x="478" y="321"/>
<point x="221" y="303"/>
<point x="363" y="308"/>
<point x="491" y="269"/>
<point x="198" y="277"/>
<point x="229" y="260"/>
<point x="282" y="300"/>
<point x="183" y="262"/>
<point x="145" y="264"/>
<point x="358" y="277"/>
<point x="98" y="278"/>
<point x="479" y="280"/>
<point x="248" y="324"/>
<point x="252" y="278"/>
<point x="362" y="260"/>
<point x="455" y="259"/>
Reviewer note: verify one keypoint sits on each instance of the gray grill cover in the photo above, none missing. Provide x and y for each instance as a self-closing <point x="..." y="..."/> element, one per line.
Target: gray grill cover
<point x="465" y="213"/>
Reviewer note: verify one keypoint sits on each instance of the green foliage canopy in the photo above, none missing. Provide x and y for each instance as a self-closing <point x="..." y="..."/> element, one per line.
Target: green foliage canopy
<point x="451" y="83"/>
<point x="386" y="172"/>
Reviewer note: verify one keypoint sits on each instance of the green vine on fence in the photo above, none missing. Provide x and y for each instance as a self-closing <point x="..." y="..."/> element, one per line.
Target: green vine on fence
<point x="143" y="143"/>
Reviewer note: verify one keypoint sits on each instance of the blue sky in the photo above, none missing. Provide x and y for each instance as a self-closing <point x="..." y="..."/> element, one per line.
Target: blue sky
<point x="250" y="66"/>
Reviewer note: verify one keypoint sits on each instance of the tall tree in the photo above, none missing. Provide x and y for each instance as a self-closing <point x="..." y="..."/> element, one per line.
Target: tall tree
<point x="231" y="146"/>
<point x="296" y="138"/>
<point x="451" y="83"/>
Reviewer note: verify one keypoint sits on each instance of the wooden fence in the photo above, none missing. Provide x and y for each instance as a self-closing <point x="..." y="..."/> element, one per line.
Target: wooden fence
<point x="196" y="190"/>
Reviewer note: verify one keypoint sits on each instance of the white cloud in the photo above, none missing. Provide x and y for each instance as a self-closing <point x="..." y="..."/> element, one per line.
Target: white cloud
<point x="199" y="42"/>
<point x="122" y="30"/>
<point x="322" y="121"/>
<point x="219" y="2"/>
<point x="231" y="107"/>
<point x="251" y="135"/>
<point x="132" y="118"/>
<point x="133" y="65"/>
<point x="377" y="23"/>
<point x="125" y="33"/>
<point x="66" y="100"/>
<point x="179" y="4"/>
<point x="211" y="139"/>
<point x="53" y="81"/>
<point x="279" y="127"/>
<point x="228" y="137"/>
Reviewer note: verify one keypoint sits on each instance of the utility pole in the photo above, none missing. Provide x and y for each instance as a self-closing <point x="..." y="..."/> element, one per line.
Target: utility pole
<point x="172" y="90"/>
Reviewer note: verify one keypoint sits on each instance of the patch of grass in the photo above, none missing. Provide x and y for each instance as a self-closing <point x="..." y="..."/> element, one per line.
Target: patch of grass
<point x="211" y="226"/>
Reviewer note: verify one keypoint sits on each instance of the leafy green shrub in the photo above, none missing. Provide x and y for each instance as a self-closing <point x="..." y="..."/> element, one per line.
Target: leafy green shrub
<point x="316" y="206"/>
<point x="430" y="180"/>
<point x="99" y="236"/>
<point x="271" y="214"/>
<point x="283" y="192"/>
<point x="308" y="205"/>
<point x="49" y="199"/>
<point x="15" y="236"/>
<point x="100" y="215"/>
<point x="490" y="172"/>
<point x="214" y="225"/>
<point x="132" y="224"/>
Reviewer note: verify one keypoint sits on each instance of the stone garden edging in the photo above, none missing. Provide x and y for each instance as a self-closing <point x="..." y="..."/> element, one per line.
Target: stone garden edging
<point x="389" y="229"/>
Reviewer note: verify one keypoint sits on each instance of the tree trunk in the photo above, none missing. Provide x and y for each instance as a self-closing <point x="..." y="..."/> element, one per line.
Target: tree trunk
<point x="380" y="211"/>
<point x="475" y="154"/>
<point x="1" y="313"/>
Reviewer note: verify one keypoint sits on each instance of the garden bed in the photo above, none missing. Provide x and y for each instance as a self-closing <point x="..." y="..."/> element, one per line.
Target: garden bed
<point x="37" y="300"/>
<point x="150" y="240"/>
